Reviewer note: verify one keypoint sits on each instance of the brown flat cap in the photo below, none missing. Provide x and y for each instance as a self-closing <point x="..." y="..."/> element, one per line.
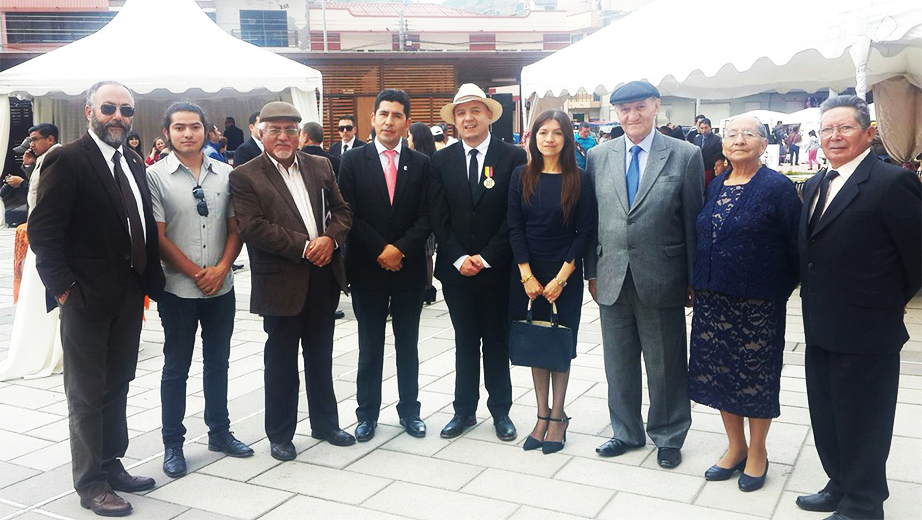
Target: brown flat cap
<point x="279" y="110"/>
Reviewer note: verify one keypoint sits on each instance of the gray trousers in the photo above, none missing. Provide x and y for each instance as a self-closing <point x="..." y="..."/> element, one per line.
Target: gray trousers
<point x="628" y="328"/>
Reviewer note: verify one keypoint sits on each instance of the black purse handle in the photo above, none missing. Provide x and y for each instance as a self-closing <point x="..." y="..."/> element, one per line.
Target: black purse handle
<point x="528" y="316"/>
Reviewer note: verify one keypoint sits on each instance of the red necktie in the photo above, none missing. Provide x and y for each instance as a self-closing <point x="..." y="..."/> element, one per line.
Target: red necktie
<point x="390" y="173"/>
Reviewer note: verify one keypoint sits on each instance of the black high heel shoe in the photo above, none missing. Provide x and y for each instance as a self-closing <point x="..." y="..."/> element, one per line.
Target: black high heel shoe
<point x="554" y="446"/>
<point x="429" y="297"/>
<point x="532" y="443"/>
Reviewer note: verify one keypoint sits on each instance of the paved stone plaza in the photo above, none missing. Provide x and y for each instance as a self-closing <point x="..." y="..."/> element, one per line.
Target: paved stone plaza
<point x="475" y="476"/>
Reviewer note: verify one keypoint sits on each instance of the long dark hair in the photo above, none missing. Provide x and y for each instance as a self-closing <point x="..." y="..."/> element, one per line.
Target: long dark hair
<point x="139" y="148"/>
<point x="531" y="174"/>
<point x="423" y="141"/>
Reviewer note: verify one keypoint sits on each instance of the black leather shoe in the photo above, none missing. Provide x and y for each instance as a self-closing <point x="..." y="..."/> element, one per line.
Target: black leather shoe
<point x="174" y="463"/>
<point x="457" y="425"/>
<point x="335" y="437"/>
<point x="716" y="473"/>
<point x="822" y="502"/>
<point x="365" y="431"/>
<point x="838" y="516"/>
<point x="107" y="503"/>
<point x="125" y="482"/>
<point x="230" y="446"/>
<point x="505" y="430"/>
<point x="283" y="450"/>
<point x="669" y="457"/>
<point x="615" y="447"/>
<point x="414" y="426"/>
<point x="748" y="483"/>
<point x="338" y="315"/>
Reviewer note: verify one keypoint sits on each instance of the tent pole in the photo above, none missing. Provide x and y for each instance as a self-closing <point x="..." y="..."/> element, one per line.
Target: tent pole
<point x="323" y="8"/>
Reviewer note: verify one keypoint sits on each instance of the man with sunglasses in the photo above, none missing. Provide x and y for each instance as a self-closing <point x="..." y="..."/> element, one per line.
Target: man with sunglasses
<point x="192" y="206"/>
<point x="347" y="140"/>
<point x="95" y="243"/>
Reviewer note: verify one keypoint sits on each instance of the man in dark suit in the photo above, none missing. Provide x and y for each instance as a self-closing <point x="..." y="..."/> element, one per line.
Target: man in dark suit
<point x="252" y="147"/>
<point x="385" y="186"/>
<point x="469" y="188"/>
<point x="96" y="248"/>
<point x="711" y="147"/>
<point x="293" y="219"/>
<point x="861" y="263"/>
<point x="693" y="132"/>
<point x="312" y="144"/>
<point x="233" y="134"/>
<point x="348" y="140"/>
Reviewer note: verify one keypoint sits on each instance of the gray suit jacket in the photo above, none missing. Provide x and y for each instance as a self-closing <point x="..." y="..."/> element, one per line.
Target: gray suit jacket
<point x="656" y="237"/>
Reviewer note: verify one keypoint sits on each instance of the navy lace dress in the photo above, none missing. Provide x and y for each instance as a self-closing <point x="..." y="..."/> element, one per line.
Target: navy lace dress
<point x="737" y="339"/>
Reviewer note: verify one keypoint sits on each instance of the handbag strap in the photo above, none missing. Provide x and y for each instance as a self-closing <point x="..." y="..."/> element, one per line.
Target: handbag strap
<point x="554" y="315"/>
<point x="528" y="314"/>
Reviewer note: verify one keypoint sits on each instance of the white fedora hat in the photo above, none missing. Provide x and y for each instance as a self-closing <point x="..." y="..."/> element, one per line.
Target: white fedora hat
<point x="470" y="92"/>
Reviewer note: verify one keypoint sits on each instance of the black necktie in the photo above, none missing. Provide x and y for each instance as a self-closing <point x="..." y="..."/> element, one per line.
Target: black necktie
<point x="473" y="172"/>
<point x="138" y="251"/>
<point x="345" y="148"/>
<point x="821" y="201"/>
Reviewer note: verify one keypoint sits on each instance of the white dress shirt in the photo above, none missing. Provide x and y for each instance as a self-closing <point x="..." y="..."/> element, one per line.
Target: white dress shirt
<point x="107" y="153"/>
<point x="381" y="149"/>
<point x="645" y="144"/>
<point x="835" y="185"/>
<point x="350" y="145"/>
<point x="295" y="183"/>
<point x="481" y="157"/>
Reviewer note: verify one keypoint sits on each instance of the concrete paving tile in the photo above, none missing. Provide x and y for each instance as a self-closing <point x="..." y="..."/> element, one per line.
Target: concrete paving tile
<point x="787" y="509"/>
<point x="21" y="420"/>
<point x="628" y="505"/>
<point x="318" y="508"/>
<point x="11" y="473"/>
<point x="541" y="492"/>
<point x="907" y="420"/>
<point x="794" y="415"/>
<point x="59" y="408"/>
<point x="221" y="496"/>
<point x="427" y="503"/>
<point x="807" y="476"/>
<point x="322" y="482"/>
<point x="727" y="496"/>
<point x="325" y="454"/>
<point x="440" y="365"/>
<point x="904" y="503"/>
<point x="533" y="513"/>
<point x="583" y="445"/>
<point x="16" y="444"/>
<point x="642" y="481"/>
<point x="40" y="487"/>
<point x="7" y="510"/>
<point x="243" y="469"/>
<point x="197" y="457"/>
<point x="143" y="508"/>
<point x="502" y="456"/>
<point x="34" y="398"/>
<point x="198" y="514"/>
<point x="246" y="384"/>
<point x="46" y="458"/>
<point x="909" y="396"/>
<point x="413" y="468"/>
<point x="426" y="446"/>
<point x="905" y="460"/>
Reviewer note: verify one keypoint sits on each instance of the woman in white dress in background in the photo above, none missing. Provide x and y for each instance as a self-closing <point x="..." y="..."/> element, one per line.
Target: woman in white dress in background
<point x="35" y="343"/>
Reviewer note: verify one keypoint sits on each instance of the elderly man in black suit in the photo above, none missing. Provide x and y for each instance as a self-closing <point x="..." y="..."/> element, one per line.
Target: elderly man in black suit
<point x="385" y="186"/>
<point x="97" y="252"/>
<point x="861" y="263"/>
<point x="469" y="195"/>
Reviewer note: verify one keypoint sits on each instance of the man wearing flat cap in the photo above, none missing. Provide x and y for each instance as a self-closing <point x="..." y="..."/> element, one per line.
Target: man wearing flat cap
<point x="468" y="197"/>
<point x="293" y="219"/>
<point x="649" y="189"/>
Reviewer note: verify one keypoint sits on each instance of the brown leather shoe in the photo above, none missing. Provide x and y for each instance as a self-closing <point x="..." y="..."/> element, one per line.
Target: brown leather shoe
<point x="107" y="503"/>
<point x="125" y="482"/>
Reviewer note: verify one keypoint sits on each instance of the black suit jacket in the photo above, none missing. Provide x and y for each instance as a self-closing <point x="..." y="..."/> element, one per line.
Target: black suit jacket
<point x="336" y="149"/>
<point x="377" y="222"/>
<point x="471" y="224"/>
<point x="79" y="230"/>
<point x="864" y="260"/>
<point x="234" y="137"/>
<point x="711" y="149"/>
<point x="246" y="152"/>
<point x="318" y="151"/>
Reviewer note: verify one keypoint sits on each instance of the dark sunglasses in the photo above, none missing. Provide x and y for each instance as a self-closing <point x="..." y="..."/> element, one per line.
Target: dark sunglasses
<point x="346" y="128"/>
<point x="109" y="109"/>
<point x="202" y="206"/>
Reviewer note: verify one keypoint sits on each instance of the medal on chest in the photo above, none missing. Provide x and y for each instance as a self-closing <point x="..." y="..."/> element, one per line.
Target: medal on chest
<point x="488" y="181"/>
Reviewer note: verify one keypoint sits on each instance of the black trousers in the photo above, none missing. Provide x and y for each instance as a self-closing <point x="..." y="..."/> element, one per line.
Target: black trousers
<point x="852" y="402"/>
<point x="480" y="314"/>
<point x="100" y="358"/>
<point x="312" y="328"/>
<point x="370" y="308"/>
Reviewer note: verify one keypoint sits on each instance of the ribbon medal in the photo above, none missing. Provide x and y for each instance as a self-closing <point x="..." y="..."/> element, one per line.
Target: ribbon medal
<point x="488" y="182"/>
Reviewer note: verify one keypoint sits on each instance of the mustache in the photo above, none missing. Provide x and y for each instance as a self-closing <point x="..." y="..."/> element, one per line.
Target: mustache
<point x="115" y="124"/>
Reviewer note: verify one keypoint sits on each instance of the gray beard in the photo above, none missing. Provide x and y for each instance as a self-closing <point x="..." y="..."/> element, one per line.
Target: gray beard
<point x="102" y="131"/>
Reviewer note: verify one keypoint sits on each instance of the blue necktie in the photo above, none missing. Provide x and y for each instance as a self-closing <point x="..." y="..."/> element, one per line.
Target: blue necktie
<point x="633" y="174"/>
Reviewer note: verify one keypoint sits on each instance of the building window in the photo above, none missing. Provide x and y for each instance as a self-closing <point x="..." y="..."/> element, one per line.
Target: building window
<point x="411" y="44"/>
<point x="264" y="28"/>
<point x="483" y="42"/>
<point x="556" y="41"/>
<point x="333" y="41"/>
<point x="53" y="27"/>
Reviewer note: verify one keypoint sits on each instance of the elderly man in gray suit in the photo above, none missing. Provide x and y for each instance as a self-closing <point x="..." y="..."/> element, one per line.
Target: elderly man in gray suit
<point x="649" y="189"/>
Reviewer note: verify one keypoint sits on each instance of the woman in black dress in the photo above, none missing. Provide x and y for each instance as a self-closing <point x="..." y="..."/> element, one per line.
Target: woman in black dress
<point x="745" y="270"/>
<point x="420" y="139"/>
<point x="552" y="217"/>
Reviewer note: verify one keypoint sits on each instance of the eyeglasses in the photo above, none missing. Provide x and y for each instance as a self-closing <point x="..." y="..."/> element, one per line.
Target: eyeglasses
<point x="747" y="134"/>
<point x="202" y="206"/>
<point x="346" y="128"/>
<point x="844" y="130"/>
<point x="109" y="109"/>
<point x="289" y="131"/>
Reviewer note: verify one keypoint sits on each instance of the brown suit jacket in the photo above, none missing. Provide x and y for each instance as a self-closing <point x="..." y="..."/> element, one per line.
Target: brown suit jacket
<point x="275" y="235"/>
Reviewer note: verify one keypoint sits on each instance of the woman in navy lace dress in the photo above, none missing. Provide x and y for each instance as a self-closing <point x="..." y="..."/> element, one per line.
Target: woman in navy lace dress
<point x="745" y="270"/>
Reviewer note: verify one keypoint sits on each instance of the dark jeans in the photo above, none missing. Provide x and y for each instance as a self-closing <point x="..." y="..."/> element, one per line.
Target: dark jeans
<point x="312" y="328"/>
<point x="101" y="357"/>
<point x="795" y="154"/>
<point x="180" y="318"/>
<point x="371" y="311"/>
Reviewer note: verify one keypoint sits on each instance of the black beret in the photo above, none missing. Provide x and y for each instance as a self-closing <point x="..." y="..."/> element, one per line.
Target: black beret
<point x="633" y="91"/>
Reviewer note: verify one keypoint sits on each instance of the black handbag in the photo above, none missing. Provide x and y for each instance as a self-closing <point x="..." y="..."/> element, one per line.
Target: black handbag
<point x="541" y="344"/>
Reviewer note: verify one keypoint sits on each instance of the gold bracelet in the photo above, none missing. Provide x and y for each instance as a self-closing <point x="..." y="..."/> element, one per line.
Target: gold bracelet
<point x="527" y="278"/>
<point x="562" y="284"/>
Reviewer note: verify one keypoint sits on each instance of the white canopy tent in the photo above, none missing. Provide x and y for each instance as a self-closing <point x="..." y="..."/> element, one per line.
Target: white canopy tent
<point x="185" y="43"/>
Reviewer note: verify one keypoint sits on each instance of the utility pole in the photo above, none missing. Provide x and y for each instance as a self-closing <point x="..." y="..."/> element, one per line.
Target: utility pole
<point x="402" y="35"/>
<point x="323" y="9"/>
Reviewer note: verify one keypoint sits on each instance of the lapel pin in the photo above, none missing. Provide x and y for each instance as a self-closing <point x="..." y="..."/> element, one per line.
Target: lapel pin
<point x="404" y="168"/>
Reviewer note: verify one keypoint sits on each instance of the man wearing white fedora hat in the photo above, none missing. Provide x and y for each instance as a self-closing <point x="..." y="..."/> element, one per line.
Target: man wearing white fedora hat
<point x="469" y="188"/>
